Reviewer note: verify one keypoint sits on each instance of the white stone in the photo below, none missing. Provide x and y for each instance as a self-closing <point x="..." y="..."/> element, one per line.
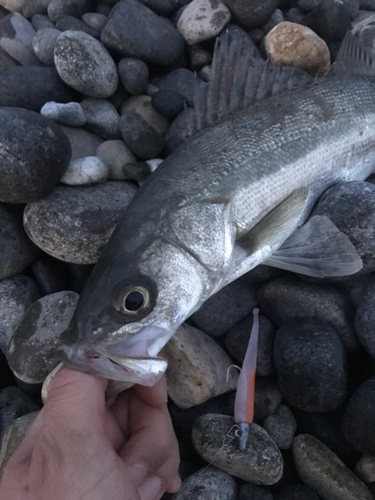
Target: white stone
<point x="70" y="113"/>
<point x="154" y="163"/>
<point x="141" y="104"/>
<point x="202" y="19"/>
<point x="86" y="171"/>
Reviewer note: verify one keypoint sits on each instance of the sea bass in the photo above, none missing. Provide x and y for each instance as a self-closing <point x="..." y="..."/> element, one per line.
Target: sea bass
<point x="223" y="202"/>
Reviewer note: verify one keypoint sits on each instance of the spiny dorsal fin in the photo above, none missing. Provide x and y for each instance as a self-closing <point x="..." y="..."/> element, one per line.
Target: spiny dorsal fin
<point x="354" y="58"/>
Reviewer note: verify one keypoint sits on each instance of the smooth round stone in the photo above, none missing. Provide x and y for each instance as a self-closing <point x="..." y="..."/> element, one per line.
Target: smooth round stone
<point x="332" y="20"/>
<point x="86" y="171"/>
<point x="248" y="491"/>
<point x="70" y="113"/>
<point x="281" y="426"/>
<point x="85" y="65"/>
<point x="44" y="45"/>
<point x="365" y="468"/>
<point x="267" y="397"/>
<point x="16" y="295"/>
<point x="161" y="7"/>
<point x="197" y="368"/>
<point x="158" y="42"/>
<point x="83" y="142"/>
<point x="94" y="20"/>
<point x="40" y="21"/>
<point x="16" y="82"/>
<point x="51" y="275"/>
<point x="311" y="363"/>
<point x="294" y="15"/>
<point x="207" y="484"/>
<point x="72" y="23"/>
<point x="296" y="492"/>
<point x="237" y="340"/>
<point x="16" y="38"/>
<point x="134" y="75"/>
<point x="359" y="423"/>
<point x="276" y="18"/>
<point x="16" y="249"/>
<point x="202" y="19"/>
<point x="226" y="308"/>
<point x="321" y="469"/>
<point x="288" y="298"/>
<point x="116" y="155"/>
<point x="138" y="171"/>
<point x="102" y="117"/>
<point x="177" y="132"/>
<point x="6" y="61"/>
<point x="35" y="153"/>
<point x="32" y="352"/>
<point x="199" y="57"/>
<point x="260" y="463"/>
<point x="252" y="14"/>
<point x="154" y="163"/>
<point x="365" y="318"/>
<point x="141" y="104"/>
<point x="291" y="44"/>
<point x="141" y="138"/>
<point x="25" y="7"/>
<point x="74" y="224"/>
<point x="182" y="81"/>
<point x="60" y="8"/>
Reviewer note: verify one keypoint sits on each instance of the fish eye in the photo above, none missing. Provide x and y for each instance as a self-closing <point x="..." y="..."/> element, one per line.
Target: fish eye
<point x="134" y="297"/>
<point x="134" y="300"/>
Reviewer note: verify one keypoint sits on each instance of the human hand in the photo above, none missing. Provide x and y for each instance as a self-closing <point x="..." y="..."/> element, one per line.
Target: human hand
<point x="79" y="447"/>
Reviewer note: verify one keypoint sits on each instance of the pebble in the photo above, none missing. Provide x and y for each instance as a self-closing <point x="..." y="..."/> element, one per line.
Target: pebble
<point x="177" y="132"/>
<point x="161" y="7"/>
<point x="39" y="21"/>
<point x="70" y="113"/>
<point x="51" y="275"/>
<point x="287" y="298"/>
<point x="291" y="44"/>
<point x="311" y="363"/>
<point x="94" y="20"/>
<point x="260" y="463"/>
<point x="338" y="202"/>
<point x="276" y="18"/>
<point x="83" y="142"/>
<point x="197" y="368"/>
<point x="199" y="57"/>
<point x="252" y="14"/>
<point x="73" y="24"/>
<point x="321" y="469"/>
<point x="85" y="65"/>
<point x="248" y="491"/>
<point x="141" y="138"/>
<point x="365" y="318"/>
<point x="141" y="105"/>
<point x="25" y="7"/>
<point x="182" y="81"/>
<point x="237" y="339"/>
<point x="133" y="30"/>
<point x="73" y="224"/>
<point x="208" y="484"/>
<point x="331" y="20"/>
<point x="16" y="249"/>
<point x="16" y="295"/>
<point x="35" y="153"/>
<point x="16" y="37"/>
<point x="296" y="492"/>
<point x="226" y="308"/>
<point x="358" y="422"/>
<point x="16" y="82"/>
<point x="6" y="61"/>
<point x="32" y="352"/>
<point x="102" y="117"/>
<point x="168" y="103"/>
<point x="116" y="155"/>
<point x="138" y="171"/>
<point x="134" y="75"/>
<point x="365" y="468"/>
<point x="281" y="427"/>
<point x="59" y="8"/>
<point x="267" y="397"/>
<point x="44" y="45"/>
<point x="202" y="20"/>
<point x="86" y="171"/>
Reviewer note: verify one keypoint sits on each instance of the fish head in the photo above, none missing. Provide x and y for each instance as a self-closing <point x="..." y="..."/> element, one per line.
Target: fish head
<point x="129" y="309"/>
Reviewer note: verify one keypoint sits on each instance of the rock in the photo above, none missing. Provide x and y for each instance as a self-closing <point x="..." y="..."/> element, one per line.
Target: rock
<point x="25" y="7"/>
<point x="177" y="132"/>
<point x="116" y="155"/>
<point x="197" y="368"/>
<point x="59" y="8"/>
<point x="281" y="427"/>
<point x="199" y="57"/>
<point x="134" y="75"/>
<point x="276" y="18"/>
<point x="248" y="491"/>
<point x="85" y="172"/>
<point x="35" y="153"/>
<point x="16" y="82"/>
<point x="70" y="113"/>
<point x="44" y="45"/>
<point x="102" y="117"/>
<point x="226" y="308"/>
<point x="16" y="37"/>
<point x="13" y="436"/>
<point x="40" y="21"/>
<point x="141" y="138"/>
<point x="6" y="61"/>
<point x="331" y="19"/>
<point x="182" y="81"/>
<point x="311" y="363"/>
<point x="294" y="15"/>
<point x="358" y="422"/>
<point x="16" y="249"/>
<point x="260" y="463"/>
<point x="94" y="20"/>
<point x="32" y="353"/>
<point x="16" y="295"/>
<point x="288" y="298"/>
<point x="138" y="171"/>
<point x="51" y="275"/>
<point x="84" y="64"/>
<point x="338" y="202"/>
<point x="71" y="23"/>
<point x="292" y="44"/>
<point x="296" y="492"/>
<point x="237" y="339"/>
<point x="133" y="30"/>
<point x="161" y="7"/>
<point x="365" y="318"/>
<point x="208" y="484"/>
<point x="252" y="14"/>
<point x="202" y="19"/>
<point x="83" y="142"/>
<point x="321" y="469"/>
<point x="168" y="103"/>
<point x="267" y="398"/>
<point x="73" y="224"/>
<point x="365" y="468"/>
<point x="141" y="104"/>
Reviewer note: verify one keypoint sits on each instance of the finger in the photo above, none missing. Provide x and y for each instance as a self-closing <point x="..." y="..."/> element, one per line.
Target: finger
<point x="155" y="395"/>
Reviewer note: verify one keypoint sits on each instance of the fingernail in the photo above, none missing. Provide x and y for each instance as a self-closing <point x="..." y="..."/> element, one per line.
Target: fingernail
<point x="151" y="489"/>
<point x="48" y="381"/>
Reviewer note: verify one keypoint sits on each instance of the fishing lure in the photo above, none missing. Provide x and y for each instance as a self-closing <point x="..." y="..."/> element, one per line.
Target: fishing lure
<point x="244" y="402"/>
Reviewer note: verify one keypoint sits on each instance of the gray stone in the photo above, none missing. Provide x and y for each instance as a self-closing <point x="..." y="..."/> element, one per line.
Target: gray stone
<point x="70" y="113"/>
<point x="70" y="23"/>
<point x="248" y="491"/>
<point x="161" y="7"/>
<point x="25" y="7"/>
<point x="83" y="142"/>
<point x="252" y="14"/>
<point x="321" y="469"/>
<point x="141" y="104"/>
<point x="39" y="21"/>
<point x="32" y="352"/>
<point x="44" y="45"/>
<point x="35" y="153"/>
<point x="6" y="61"/>
<point x="85" y="172"/>
<point x="207" y="484"/>
<point x="16" y="37"/>
<point x="134" y="75"/>
<point x="365" y="468"/>
<point x="73" y="224"/>
<point x="94" y="20"/>
<point x="267" y="397"/>
<point x="117" y="155"/>
<point x="168" y="103"/>
<point x="59" y="8"/>
<point x="85" y="65"/>
<point x="281" y="426"/>
<point x="141" y="138"/>
<point x="102" y="117"/>
<point x="182" y="81"/>
<point x="260" y="463"/>
<point x="365" y="318"/>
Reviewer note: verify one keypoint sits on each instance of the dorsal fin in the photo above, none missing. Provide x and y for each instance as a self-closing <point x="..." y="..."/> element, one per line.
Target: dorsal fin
<point x="354" y="58"/>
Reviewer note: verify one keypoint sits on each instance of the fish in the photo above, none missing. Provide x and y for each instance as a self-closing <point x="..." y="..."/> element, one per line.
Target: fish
<point x="235" y="194"/>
